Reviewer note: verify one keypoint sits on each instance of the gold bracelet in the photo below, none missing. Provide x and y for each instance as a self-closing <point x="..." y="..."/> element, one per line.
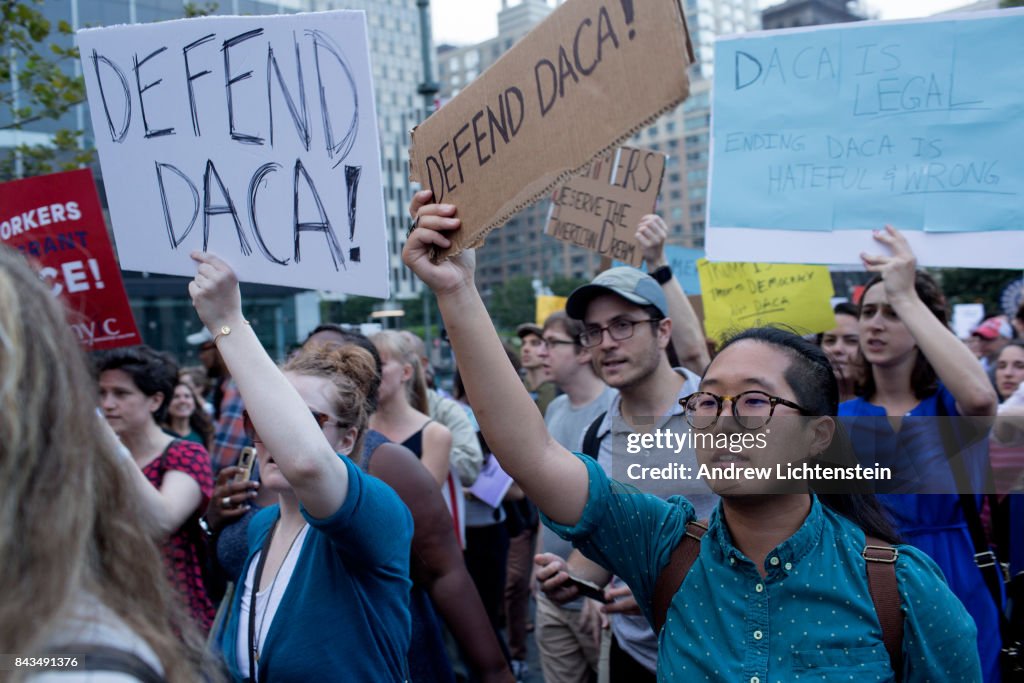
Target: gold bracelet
<point x="225" y="331"/>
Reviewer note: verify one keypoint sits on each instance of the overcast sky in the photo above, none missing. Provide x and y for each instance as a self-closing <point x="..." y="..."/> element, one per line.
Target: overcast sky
<point x="462" y="22"/>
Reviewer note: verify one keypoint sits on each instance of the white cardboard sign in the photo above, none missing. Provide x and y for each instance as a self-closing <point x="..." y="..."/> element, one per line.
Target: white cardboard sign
<point x="251" y="137"/>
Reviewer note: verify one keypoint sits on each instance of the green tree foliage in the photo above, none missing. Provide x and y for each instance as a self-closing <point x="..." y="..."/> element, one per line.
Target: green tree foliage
<point x="1011" y="3"/>
<point x="513" y="303"/>
<point x="973" y="285"/>
<point x="353" y="310"/>
<point x="562" y="285"/>
<point x="193" y="9"/>
<point x="46" y="88"/>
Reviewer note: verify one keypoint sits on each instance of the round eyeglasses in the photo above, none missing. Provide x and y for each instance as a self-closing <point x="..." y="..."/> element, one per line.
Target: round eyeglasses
<point x="752" y="409"/>
<point x="620" y="329"/>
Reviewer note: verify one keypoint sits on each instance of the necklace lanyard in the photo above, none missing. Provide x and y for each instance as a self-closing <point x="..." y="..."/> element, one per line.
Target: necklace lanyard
<point x="252" y="601"/>
<point x="253" y="656"/>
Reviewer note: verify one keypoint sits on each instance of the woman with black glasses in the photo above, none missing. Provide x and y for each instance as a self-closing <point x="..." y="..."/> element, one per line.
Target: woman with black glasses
<point x="777" y="587"/>
<point x="324" y="593"/>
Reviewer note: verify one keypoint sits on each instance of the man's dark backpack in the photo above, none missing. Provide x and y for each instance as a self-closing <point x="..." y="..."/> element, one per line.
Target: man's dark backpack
<point x="880" y="558"/>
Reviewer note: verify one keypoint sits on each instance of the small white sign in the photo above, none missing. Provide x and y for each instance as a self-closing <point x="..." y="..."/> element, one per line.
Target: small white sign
<point x="966" y="317"/>
<point x="251" y="137"/>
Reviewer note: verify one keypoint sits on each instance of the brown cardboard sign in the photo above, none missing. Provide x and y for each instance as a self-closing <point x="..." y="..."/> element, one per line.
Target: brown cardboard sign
<point x="600" y="209"/>
<point x="580" y="83"/>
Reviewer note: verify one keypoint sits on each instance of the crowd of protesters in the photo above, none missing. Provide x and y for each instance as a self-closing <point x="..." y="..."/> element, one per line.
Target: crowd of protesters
<point x="317" y="519"/>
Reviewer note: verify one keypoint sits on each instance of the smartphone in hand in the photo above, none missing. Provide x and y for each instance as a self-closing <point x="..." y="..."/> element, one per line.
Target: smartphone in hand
<point x="587" y="589"/>
<point x="245" y="461"/>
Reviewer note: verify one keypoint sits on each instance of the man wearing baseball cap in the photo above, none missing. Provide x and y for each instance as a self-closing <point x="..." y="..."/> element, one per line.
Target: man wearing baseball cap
<point x="627" y="328"/>
<point x="992" y="335"/>
<point x="538" y="382"/>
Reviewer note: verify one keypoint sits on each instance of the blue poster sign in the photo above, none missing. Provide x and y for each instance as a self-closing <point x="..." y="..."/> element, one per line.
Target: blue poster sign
<point x="853" y="126"/>
<point x="683" y="262"/>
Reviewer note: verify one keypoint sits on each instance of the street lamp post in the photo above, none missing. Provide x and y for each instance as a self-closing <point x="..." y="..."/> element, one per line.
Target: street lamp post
<point x="428" y="89"/>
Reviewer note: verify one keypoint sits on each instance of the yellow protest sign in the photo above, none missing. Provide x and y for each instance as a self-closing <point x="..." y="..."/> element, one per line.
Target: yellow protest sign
<point x="546" y="305"/>
<point x="742" y="295"/>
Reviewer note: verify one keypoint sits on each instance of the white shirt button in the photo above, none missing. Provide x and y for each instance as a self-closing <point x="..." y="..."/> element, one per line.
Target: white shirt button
<point x="755" y="679"/>
<point x="732" y="560"/>
<point x="774" y="561"/>
<point x="759" y="587"/>
<point x="758" y="635"/>
<point x="789" y="566"/>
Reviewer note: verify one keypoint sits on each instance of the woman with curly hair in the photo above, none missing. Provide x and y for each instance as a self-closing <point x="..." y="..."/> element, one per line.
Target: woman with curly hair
<point x="136" y="387"/>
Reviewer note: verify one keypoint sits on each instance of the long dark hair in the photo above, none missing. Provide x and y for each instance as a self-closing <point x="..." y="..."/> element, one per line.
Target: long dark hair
<point x="810" y="375"/>
<point x="923" y="380"/>
<point x="198" y="421"/>
<point x="1013" y="343"/>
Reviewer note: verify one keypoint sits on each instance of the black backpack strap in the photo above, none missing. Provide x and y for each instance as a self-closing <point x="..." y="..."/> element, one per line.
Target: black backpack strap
<point x="880" y="558"/>
<point x="591" y="441"/>
<point x="984" y="557"/>
<point x="674" y="573"/>
<point x="94" y="657"/>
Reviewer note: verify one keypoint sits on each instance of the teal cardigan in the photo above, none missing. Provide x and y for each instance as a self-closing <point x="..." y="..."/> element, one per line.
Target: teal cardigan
<point x="345" y="612"/>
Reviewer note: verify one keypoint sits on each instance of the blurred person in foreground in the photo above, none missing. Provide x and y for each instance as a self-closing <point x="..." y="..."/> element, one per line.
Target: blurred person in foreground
<point x="81" y="573"/>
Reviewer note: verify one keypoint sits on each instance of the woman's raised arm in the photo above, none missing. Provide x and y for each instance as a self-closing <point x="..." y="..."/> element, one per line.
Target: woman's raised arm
<point x="286" y="427"/>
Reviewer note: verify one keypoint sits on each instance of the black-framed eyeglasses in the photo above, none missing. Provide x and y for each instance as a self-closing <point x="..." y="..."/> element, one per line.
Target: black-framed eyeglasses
<point x="752" y="409"/>
<point x="620" y="329"/>
<point x="557" y="342"/>
<point x="322" y="420"/>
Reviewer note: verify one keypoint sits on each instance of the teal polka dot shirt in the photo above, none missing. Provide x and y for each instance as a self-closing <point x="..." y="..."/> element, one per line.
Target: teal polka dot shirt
<point x="810" y="619"/>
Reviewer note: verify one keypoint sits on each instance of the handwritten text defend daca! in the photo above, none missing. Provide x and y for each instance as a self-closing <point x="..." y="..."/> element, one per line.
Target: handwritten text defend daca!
<point x="124" y="91"/>
<point x="478" y="141"/>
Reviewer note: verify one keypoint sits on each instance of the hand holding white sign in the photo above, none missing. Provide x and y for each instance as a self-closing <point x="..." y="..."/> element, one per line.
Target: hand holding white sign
<point x="215" y="294"/>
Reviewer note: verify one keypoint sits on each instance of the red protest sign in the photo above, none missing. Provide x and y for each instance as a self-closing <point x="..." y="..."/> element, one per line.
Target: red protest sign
<point x="56" y="222"/>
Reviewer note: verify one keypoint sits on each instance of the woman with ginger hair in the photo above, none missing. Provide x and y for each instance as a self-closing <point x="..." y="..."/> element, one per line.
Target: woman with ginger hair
<point x="324" y="592"/>
<point x="81" y="572"/>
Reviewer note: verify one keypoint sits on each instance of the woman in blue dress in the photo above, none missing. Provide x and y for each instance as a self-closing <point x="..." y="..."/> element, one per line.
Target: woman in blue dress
<point x="915" y="370"/>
